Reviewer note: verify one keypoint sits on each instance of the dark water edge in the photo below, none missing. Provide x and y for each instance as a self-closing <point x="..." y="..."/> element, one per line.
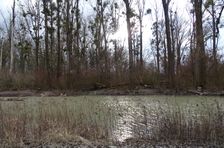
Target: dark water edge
<point x="112" y="92"/>
<point x="124" y="145"/>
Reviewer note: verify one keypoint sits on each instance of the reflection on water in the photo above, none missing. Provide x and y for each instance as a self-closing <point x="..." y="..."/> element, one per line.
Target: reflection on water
<point x="125" y="120"/>
<point x="139" y="116"/>
<point x="131" y="118"/>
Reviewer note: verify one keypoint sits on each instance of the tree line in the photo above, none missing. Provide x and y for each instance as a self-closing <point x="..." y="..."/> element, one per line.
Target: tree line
<point x="59" y="44"/>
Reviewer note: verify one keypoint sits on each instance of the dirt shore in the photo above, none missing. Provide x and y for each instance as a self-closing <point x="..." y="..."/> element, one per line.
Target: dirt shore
<point x="123" y="145"/>
<point x="141" y="91"/>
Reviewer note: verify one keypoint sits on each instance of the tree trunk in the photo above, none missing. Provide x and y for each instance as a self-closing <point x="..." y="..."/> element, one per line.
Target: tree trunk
<point x="128" y="19"/>
<point x="1" y="54"/>
<point x="51" y="37"/>
<point x="103" y="24"/>
<point x="178" y="66"/>
<point x="59" y="40"/>
<point x="157" y="49"/>
<point x="78" y="26"/>
<point x="68" y="42"/>
<point x="84" y="60"/>
<point x="169" y="47"/>
<point x="98" y="44"/>
<point x="141" y="45"/>
<point x="200" y="71"/>
<point x="46" y="40"/>
<point x="116" y="57"/>
<point x="12" y="51"/>
<point x="214" y="36"/>
<point x="173" y="44"/>
<point x="165" y="58"/>
<point x="37" y="35"/>
<point x="192" y="50"/>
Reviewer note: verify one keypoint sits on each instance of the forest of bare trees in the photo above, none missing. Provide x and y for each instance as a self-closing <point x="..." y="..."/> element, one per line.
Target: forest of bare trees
<point x="61" y="44"/>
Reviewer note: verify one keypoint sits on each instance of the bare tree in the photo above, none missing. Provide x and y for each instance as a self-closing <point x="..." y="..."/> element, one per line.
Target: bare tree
<point x="141" y="10"/>
<point x="77" y="36"/>
<point x="32" y="16"/>
<point x="12" y="50"/>
<point x="155" y="28"/>
<point x="128" y="20"/>
<point x="4" y="41"/>
<point x="180" y="33"/>
<point x="169" y="46"/>
<point x="47" y="61"/>
<point x="58" y="38"/>
<point x="1" y="52"/>
<point x="215" y="9"/>
<point x="200" y="69"/>
<point x="69" y="37"/>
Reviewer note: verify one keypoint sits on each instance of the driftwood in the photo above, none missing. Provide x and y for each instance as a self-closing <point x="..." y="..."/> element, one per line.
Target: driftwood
<point x="11" y="99"/>
<point x="16" y="93"/>
<point x="206" y="93"/>
<point x="99" y="86"/>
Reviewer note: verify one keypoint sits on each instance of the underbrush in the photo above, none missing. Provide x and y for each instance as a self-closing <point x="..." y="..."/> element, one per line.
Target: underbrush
<point x="85" y="81"/>
<point x="16" y="81"/>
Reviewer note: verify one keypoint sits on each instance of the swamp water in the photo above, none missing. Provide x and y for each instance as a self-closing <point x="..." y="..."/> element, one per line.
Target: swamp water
<point x="114" y="118"/>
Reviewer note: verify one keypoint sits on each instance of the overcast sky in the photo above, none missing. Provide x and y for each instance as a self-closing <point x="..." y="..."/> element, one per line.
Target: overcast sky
<point x="5" y="5"/>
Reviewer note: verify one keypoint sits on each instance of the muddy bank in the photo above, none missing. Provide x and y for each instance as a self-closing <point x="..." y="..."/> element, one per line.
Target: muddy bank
<point x="141" y="91"/>
<point x="137" y="144"/>
<point x="26" y="93"/>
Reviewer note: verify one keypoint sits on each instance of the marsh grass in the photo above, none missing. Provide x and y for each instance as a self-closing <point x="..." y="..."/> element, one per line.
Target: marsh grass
<point x="51" y="119"/>
<point x="200" y="124"/>
<point x="94" y="119"/>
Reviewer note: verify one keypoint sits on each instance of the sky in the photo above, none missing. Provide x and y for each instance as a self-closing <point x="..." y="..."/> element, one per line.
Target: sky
<point x="181" y="4"/>
<point x="5" y="5"/>
<point x="4" y="8"/>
